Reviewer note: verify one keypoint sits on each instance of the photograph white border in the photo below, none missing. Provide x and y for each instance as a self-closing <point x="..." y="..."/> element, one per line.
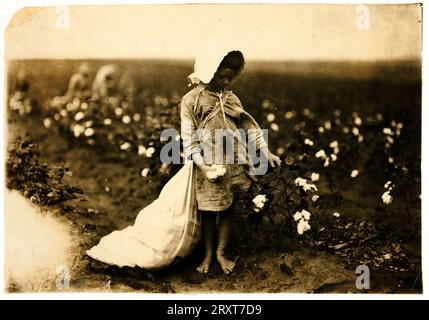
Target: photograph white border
<point x="7" y="10"/>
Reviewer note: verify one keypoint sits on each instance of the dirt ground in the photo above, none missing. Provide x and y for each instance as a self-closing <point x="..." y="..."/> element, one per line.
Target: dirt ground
<point x="113" y="196"/>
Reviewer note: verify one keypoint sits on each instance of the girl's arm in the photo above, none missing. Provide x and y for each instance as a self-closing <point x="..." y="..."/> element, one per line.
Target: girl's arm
<point x="247" y="122"/>
<point x="191" y="147"/>
<point x="188" y="128"/>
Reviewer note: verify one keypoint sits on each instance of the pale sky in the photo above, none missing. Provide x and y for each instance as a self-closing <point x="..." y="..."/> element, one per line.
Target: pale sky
<point x="263" y="32"/>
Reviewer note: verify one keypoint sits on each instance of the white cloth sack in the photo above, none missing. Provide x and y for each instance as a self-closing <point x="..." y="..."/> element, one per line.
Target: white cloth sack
<point x="167" y="229"/>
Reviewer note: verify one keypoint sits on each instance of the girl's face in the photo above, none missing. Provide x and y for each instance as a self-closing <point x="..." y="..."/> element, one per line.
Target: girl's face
<point x="223" y="79"/>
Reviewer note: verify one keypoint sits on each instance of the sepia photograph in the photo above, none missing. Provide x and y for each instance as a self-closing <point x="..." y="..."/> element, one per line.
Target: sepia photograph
<point x="213" y="149"/>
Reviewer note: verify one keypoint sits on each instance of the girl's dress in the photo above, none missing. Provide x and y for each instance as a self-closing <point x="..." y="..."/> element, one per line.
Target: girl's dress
<point x="203" y="114"/>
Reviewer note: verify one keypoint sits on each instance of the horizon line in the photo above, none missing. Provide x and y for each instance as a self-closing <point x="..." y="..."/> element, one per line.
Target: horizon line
<point x="250" y="60"/>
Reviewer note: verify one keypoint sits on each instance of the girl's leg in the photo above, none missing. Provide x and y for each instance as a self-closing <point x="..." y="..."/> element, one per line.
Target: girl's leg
<point x="225" y="226"/>
<point x="208" y="224"/>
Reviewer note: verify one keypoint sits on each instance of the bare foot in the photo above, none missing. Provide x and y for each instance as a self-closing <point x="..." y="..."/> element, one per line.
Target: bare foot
<point x="205" y="265"/>
<point x="226" y="265"/>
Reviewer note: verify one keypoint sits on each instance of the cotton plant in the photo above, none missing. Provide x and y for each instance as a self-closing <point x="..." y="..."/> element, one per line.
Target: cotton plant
<point x="402" y="170"/>
<point x="116" y="126"/>
<point x="285" y="191"/>
<point x="337" y="154"/>
<point x="391" y="133"/>
<point x="334" y="148"/>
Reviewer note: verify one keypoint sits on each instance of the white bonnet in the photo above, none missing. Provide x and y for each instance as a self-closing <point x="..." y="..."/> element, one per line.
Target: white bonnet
<point x="207" y="61"/>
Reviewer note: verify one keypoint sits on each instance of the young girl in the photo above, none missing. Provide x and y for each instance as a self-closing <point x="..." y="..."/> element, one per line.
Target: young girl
<point x="208" y="107"/>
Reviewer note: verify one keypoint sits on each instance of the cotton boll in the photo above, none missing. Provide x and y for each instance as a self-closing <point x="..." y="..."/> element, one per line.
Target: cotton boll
<point x="308" y="142"/>
<point x="259" y="201"/>
<point x="289" y="114"/>
<point x="271" y="117"/>
<point x="79" y="116"/>
<point x="119" y="112"/>
<point x="145" y="172"/>
<point x="89" y="132"/>
<point x="141" y="150"/>
<point x="315" y="177"/>
<point x="326" y="164"/>
<point x="47" y="123"/>
<point x="300" y="181"/>
<point x="297" y="216"/>
<point x="70" y="107"/>
<point x="212" y="175"/>
<point x="125" y="146"/>
<point x="388" y="131"/>
<point x="334" y="144"/>
<point x="275" y="127"/>
<point x="306" y="214"/>
<point x="260" y="205"/>
<point x="327" y="125"/>
<point x="150" y="151"/>
<point x="88" y="124"/>
<point x="126" y="119"/>
<point x="303" y="226"/>
<point x="309" y="187"/>
<point x="136" y="117"/>
<point x="354" y="173"/>
<point x="220" y="170"/>
<point x="260" y="198"/>
<point x="387" y="198"/>
<point x="321" y="154"/>
<point x="78" y="130"/>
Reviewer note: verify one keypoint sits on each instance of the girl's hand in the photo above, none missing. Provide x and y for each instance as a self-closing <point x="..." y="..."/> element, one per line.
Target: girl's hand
<point x="209" y="172"/>
<point x="273" y="160"/>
